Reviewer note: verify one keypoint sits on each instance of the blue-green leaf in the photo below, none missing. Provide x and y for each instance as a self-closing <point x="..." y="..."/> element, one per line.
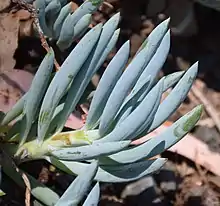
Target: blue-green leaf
<point x="117" y="172"/>
<point x="106" y="84"/>
<point x="175" y="98"/>
<point x="35" y="94"/>
<point x="131" y="101"/>
<point x="88" y="70"/>
<point x="41" y="6"/>
<point x="51" y="13"/>
<point x="15" y="111"/>
<point x="93" y="197"/>
<point x="156" y="62"/>
<point x="160" y="29"/>
<point x="89" y="151"/>
<point x="172" y="79"/>
<point x="60" y="19"/>
<point x="129" y="77"/>
<point x="161" y="142"/>
<point x="129" y="127"/>
<point x="64" y="77"/>
<point x="88" y="7"/>
<point x="79" y="187"/>
<point x="82" y="25"/>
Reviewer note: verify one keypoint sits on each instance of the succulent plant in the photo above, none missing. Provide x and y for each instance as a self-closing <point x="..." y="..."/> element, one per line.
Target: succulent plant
<point x="60" y="23"/>
<point x="126" y="105"/>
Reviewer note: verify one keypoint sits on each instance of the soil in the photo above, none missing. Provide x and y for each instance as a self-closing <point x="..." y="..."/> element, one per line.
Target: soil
<point x="180" y="182"/>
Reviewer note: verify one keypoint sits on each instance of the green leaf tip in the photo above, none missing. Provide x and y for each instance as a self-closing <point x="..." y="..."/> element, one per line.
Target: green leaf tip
<point x="193" y="119"/>
<point x="96" y="2"/>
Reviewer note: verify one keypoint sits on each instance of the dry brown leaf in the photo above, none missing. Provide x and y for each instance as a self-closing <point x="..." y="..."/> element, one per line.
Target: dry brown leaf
<point x="4" y="4"/>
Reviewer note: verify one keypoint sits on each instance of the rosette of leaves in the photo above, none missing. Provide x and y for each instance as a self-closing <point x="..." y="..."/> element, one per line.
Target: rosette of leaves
<point x="126" y="105"/>
<point x="60" y="23"/>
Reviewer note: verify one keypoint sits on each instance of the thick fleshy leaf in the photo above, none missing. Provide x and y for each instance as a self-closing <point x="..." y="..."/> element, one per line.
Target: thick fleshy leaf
<point x="66" y="33"/>
<point x="130" y="76"/>
<point x="114" y="173"/>
<point x="106" y="84"/>
<point x="129" y="127"/>
<point x="60" y="19"/>
<point x="172" y="79"/>
<point x="64" y="77"/>
<point x="108" y="48"/>
<point x="63" y="2"/>
<point x="82" y="25"/>
<point x="161" y="142"/>
<point x="51" y="13"/>
<point x="175" y="98"/>
<point x="156" y="62"/>
<point x="38" y="190"/>
<point x="161" y="28"/>
<point x="88" y="7"/>
<point x="35" y="94"/>
<point x="131" y="101"/>
<point x="89" y="151"/>
<point x="88" y="70"/>
<point x="15" y="111"/>
<point x="77" y="137"/>
<point x="150" y="118"/>
<point x="41" y="6"/>
<point x="93" y="197"/>
<point x="79" y="187"/>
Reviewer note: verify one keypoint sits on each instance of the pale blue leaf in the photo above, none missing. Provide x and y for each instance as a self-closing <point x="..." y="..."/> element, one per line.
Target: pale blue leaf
<point x="160" y="29"/>
<point x="15" y="111"/>
<point x="106" y="84"/>
<point x="88" y="69"/>
<point x="131" y="101"/>
<point x="70" y="29"/>
<point x="109" y="47"/>
<point x="66" y="33"/>
<point x="93" y="197"/>
<point x="82" y="25"/>
<point x="129" y="127"/>
<point x="89" y="151"/>
<point x="35" y="94"/>
<point x="79" y="187"/>
<point x="130" y="77"/>
<point x="115" y="173"/>
<point x="64" y="77"/>
<point x="175" y="98"/>
<point x="60" y="19"/>
<point x="41" y="6"/>
<point x="156" y="62"/>
<point x="172" y="79"/>
<point x="52" y="11"/>
<point x="161" y="142"/>
<point x="63" y="2"/>
<point x="88" y="7"/>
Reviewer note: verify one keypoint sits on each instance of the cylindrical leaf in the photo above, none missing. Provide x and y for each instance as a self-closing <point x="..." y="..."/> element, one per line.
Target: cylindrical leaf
<point x="64" y="77"/>
<point x="89" y="151"/>
<point x="79" y="187"/>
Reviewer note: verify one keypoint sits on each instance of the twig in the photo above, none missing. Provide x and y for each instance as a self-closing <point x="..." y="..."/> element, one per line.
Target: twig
<point x="209" y="107"/>
<point x="33" y="13"/>
<point x="28" y="190"/>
